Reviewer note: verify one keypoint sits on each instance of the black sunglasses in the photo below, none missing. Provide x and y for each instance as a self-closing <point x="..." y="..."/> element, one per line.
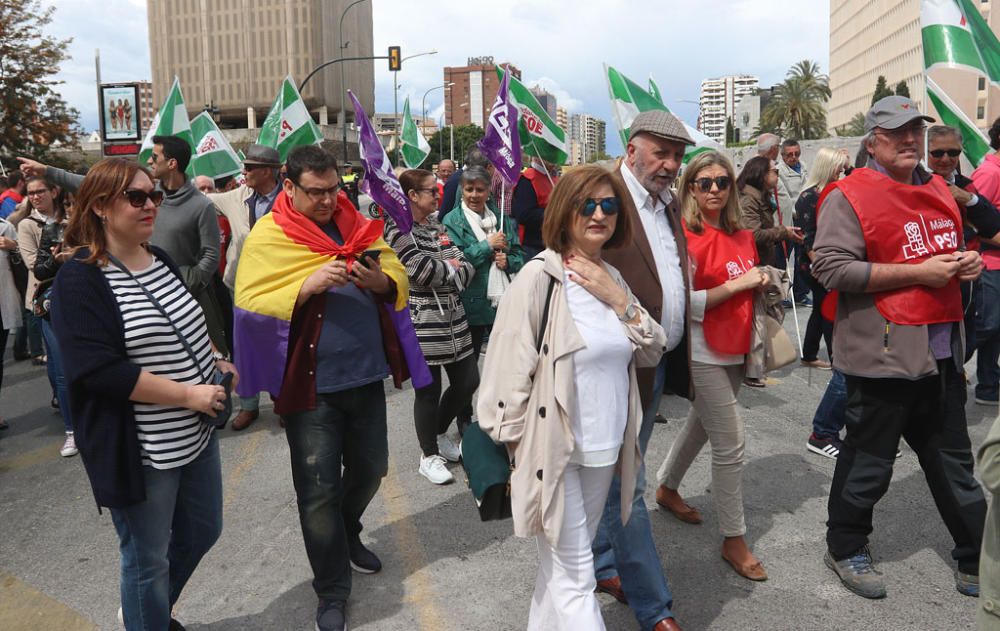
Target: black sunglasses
<point x="952" y="153"/>
<point x="609" y="206"/>
<point x="137" y="198"/>
<point x="704" y="184"/>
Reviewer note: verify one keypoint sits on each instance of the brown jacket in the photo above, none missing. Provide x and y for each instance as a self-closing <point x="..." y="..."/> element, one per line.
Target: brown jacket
<point x="758" y="216"/>
<point x="865" y="344"/>
<point x="526" y="397"/>
<point x="638" y="267"/>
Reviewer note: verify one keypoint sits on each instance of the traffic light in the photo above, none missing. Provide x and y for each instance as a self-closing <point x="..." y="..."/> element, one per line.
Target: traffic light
<point x="395" y="60"/>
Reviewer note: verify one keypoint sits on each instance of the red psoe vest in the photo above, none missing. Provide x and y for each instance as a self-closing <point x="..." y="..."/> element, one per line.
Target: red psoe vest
<point x="718" y="257"/>
<point x="908" y="224"/>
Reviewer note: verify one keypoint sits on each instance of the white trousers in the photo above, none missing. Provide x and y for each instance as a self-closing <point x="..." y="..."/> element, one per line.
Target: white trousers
<point x="564" y="598"/>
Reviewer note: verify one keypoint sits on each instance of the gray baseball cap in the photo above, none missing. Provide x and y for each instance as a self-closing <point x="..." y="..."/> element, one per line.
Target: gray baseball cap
<point x="893" y="112"/>
<point x="661" y="124"/>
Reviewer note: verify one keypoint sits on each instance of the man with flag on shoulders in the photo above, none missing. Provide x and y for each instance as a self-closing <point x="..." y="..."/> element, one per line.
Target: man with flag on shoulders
<point x="320" y="304"/>
<point x="531" y="196"/>
<point x="890" y="241"/>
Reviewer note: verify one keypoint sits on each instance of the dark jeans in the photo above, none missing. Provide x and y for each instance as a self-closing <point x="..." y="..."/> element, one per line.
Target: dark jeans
<point x="930" y="414"/>
<point x="782" y="250"/>
<point x="57" y="378"/>
<point x="817" y="326"/>
<point x="829" y="417"/>
<point x="478" y="335"/>
<point x="28" y="338"/>
<point x="347" y="429"/>
<point x="987" y="302"/>
<point x="432" y="412"/>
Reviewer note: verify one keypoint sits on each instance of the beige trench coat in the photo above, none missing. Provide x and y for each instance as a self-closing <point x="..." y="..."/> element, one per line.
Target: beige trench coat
<point x="989" y="559"/>
<point x="525" y="398"/>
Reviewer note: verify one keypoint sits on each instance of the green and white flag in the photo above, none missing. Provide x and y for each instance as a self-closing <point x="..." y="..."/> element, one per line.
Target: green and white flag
<point x="974" y="144"/>
<point x="415" y="147"/>
<point x="540" y="136"/>
<point x="629" y="99"/>
<point x="171" y="120"/>
<point x="288" y="124"/>
<point x="947" y="38"/>
<point x="213" y="155"/>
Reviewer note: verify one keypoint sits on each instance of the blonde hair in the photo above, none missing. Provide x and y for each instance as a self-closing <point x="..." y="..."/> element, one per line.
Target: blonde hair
<point x="730" y="219"/>
<point x="826" y="168"/>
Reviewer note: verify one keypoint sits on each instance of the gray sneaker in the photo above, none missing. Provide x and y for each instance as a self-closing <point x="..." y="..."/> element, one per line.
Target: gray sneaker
<point x="331" y="615"/>
<point x="858" y="574"/>
<point x="967" y="584"/>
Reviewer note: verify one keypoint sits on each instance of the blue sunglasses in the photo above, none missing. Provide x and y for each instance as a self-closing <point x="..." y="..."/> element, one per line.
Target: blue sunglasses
<point x="609" y="206"/>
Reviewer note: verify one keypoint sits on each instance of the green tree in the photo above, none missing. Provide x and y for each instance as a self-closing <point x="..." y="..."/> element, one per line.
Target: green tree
<point x="855" y="127"/>
<point x="33" y="115"/>
<point x="798" y="107"/>
<point x="730" y="132"/>
<point x="881" y="90"/>
<point x="902" y="89"/>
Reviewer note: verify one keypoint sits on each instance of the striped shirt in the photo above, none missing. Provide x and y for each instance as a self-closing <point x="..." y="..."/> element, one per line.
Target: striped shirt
<point x="169" y="436"/>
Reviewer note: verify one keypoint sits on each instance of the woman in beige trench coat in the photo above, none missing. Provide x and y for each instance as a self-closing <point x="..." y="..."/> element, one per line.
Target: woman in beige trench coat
<point x="568" y="407"/>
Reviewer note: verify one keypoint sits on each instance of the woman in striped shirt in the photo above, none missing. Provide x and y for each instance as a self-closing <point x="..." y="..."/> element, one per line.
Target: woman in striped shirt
<point x="438" y="272"/>
<point x="137" y="359"/>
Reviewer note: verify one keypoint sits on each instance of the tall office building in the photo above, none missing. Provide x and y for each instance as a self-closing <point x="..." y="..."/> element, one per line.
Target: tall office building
<point x="868" y="39"/>
<point x="234" y="54"/>
<point x="587" y="136"/>
<point x="146" y="107"/>
<point x="718" y="101"/>
<point x="562" y="118"/>
<point x="475" y="89"/>
<point x="546" y="100"/>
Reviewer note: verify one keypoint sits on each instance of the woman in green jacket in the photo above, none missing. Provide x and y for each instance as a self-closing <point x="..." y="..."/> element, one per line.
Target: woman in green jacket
<point x="489" y="241"/>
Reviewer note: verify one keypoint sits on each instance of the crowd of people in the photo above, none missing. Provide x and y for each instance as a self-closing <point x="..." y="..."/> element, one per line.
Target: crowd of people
<point x="157" y="303"/>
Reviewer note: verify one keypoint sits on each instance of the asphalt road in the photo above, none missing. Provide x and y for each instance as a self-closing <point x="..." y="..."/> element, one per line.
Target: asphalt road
<point x="446" y="570"/>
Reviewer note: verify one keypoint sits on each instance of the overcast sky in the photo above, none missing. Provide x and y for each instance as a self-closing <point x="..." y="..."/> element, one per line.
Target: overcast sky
<point x="560" y="43"/>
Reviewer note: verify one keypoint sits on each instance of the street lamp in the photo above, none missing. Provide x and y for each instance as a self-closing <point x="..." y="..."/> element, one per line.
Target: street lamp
<point x="343" y="88"/>
<point x="395" y="99"/>
<point x="452" y="128"/>
<point x="424" y="100"/>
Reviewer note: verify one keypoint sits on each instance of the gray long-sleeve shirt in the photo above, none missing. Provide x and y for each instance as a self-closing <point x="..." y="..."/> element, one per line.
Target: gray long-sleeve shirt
<point x="187" y="229"/>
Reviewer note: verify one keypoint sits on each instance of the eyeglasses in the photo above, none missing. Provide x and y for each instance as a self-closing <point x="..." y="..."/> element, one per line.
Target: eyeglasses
<point x="609" y="206"/>
<point x="793" y="154"/>
<point x="317" y="194"/>
<point x="41" y="191"/>
<point x="952" y="153"/>
<point x="433" y="191"/>
<point x="251" y="167"/>
<point x="899" y="134"/>
<point x="704" y="184"/>
<point x="137" y="198"/>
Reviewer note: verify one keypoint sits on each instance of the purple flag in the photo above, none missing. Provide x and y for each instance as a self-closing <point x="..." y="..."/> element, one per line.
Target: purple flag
<point x="379" y="181"/>
<point x="502" y="143"/>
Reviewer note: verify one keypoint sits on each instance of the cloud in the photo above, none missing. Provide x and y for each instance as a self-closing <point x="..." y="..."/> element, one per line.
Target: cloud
<point x="563" y="98"/>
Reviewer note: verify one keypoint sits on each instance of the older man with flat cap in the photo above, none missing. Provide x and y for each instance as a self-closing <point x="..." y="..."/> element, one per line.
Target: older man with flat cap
<point x="890" y="241"/>
<point x="654" y="266"/>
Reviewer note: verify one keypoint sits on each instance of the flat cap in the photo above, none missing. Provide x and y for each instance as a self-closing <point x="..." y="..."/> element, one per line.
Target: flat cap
<point x="893" y="112"/>
<point x="259" y="155"/>
<point x="661" y="124"/>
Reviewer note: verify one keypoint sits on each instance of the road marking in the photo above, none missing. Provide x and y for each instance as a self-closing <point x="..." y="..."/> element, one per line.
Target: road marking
<point x="28" y="459"/>
<point x="26" y="609"/>
<point x="404" y="532"/>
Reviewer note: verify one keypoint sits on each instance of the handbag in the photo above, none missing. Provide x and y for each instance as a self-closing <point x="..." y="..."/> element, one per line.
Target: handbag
<point x="216" y="379"/>
<point x="487" y="465"/>
<point x="778" y="348"/>
<point x="42" y="299"/>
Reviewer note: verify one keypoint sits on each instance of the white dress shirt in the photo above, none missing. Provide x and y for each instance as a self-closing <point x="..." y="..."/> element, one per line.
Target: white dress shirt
<point x="656" y="225"/>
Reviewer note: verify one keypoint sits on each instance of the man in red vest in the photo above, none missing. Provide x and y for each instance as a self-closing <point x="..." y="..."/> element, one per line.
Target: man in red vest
<point x="531" y="196"/>
<point x="890" y="240"/>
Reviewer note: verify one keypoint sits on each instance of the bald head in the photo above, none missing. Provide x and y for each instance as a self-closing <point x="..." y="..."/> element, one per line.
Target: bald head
<point x="204" y="184"/>
<point x="768" y="145"/>
<point x="445" y="169"/>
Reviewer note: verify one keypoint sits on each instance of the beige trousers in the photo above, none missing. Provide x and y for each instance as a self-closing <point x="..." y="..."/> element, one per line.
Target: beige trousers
<point x="714" y="418"/>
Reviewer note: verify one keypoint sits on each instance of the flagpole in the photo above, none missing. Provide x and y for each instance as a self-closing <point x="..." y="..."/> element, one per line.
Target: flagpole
<point x="545" y="169"/>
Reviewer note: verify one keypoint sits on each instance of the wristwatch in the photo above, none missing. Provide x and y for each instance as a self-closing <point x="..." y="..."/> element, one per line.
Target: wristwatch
<point x="219" y="357"/>
<point x="629" y="314"/>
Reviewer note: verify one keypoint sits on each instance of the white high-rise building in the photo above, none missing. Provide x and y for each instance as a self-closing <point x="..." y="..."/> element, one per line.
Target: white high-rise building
<point x="589" y="132"/>
<point x="718" y="101"/>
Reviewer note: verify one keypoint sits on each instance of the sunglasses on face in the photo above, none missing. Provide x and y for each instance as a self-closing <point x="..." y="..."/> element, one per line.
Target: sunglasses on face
<point x="137" y="198"/>
<point x="951" y="153"/>
<point x="704" y="184"/>
<point x="609" y="206"/>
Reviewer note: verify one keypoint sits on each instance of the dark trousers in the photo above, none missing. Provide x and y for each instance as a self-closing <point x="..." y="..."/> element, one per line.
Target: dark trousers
<point x="28" y="337"/>
<point x="930" y="414"/>
<point x="346" y="429"/>
<point x="817" y="327"/>
<point x="987" y="335"/>
<point x="434" y="412"/>
<point x="478" y="335"/>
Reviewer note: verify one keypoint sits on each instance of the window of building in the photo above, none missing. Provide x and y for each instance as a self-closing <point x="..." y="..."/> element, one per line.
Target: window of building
<point x="982" y="83"/>
<point x="981" y="112"/>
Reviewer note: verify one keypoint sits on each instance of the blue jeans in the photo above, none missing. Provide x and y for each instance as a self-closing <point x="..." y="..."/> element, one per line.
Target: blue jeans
<point x="347" y="428"/>
<point x="987" y="302"/>
<point x="163" y="538"/>
<point x="57" y="378"/>
<point x="28" y="337"/>
<point x="629" y="551"/>
<point x="829" y="418"/>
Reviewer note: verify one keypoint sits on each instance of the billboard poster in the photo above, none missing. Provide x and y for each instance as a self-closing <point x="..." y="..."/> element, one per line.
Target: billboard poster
<point x="120" y="112"/>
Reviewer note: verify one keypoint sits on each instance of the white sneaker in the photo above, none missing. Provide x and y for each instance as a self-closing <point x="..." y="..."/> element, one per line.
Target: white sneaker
<point x="448" y="449"/>
<point x="69" y="447"/>
<point x="433" y="468"/>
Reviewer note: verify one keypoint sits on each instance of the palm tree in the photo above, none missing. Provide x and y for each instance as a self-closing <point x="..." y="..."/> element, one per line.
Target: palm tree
<point x="798" y="107"/>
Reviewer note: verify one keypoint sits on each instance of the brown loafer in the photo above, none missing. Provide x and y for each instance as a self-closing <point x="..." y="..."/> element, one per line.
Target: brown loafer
<point x="754" y="571"/>
<point x="667" y="624"/>
<point x="244" y="418"/>
<point x="612" y="586"/>
<point x="688" y="514"/>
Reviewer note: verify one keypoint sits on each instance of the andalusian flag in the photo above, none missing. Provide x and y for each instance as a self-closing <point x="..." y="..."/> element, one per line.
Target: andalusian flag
<point x="288" y="124"/>
<point x="213" y="155"/>
<point x="654" y="90"/>
<point x="171" y="120"/>
<point x="415" y="147"/>
<point x="540" y="136"/>
<point x="955" y="35"/>
<point x="974" y="144"/>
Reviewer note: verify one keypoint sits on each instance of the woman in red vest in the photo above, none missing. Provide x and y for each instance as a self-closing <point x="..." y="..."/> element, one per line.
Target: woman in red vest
<point x="724" y="275"/>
